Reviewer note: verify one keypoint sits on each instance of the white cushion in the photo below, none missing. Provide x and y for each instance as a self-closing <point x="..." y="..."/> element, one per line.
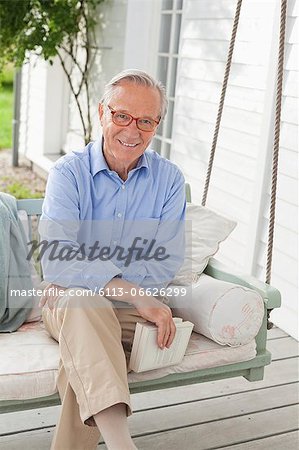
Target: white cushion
<point x="29" y="360"/>
<point x="204" y="231"/>
<point x="227" y="313"/>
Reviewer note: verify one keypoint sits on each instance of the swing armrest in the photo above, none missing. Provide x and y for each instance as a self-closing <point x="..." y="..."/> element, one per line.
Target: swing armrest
<point x="270" y="294"/>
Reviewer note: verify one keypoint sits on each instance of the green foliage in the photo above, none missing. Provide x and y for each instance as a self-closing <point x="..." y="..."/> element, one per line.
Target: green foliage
<point x="19" y="191"/>
<point x="50" y="28"/>
<point x="41" y="26"/>
<point x="6" y="77"/>
<point x="6" y="107"/>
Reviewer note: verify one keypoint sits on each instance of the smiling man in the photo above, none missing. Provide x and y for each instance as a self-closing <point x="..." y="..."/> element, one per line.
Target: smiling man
<point x="116" y="193"/>
<point x="129" y="118"/>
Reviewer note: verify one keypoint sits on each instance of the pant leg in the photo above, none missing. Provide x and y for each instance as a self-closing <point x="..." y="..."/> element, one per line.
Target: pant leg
<point x="93" y="373"/>
<point x="70" y="432"/>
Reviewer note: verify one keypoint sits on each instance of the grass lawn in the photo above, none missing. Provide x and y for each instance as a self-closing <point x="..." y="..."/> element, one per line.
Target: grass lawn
<point x="6" y="108"/>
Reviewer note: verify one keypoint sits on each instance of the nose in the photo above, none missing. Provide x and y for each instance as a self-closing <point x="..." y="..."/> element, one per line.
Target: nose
<point x="133" y="126"/>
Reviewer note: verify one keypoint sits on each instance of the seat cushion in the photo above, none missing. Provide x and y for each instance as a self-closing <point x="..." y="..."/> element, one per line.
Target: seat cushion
<point x="29" y="360"/>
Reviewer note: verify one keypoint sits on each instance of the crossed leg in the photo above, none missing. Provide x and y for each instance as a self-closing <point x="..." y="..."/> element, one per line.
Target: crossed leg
<point x="95" y="340"/>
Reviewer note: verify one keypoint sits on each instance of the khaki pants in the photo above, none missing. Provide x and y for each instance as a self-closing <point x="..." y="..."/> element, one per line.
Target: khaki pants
<point x="95" y="340"/>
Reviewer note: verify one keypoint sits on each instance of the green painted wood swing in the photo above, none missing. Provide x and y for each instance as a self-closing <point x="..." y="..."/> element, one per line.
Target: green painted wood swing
<point x="252" y="370"/>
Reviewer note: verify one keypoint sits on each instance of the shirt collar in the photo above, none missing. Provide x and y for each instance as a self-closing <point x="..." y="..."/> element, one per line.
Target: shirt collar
<point x="97" y="159"/>
<point x="99" y="163"/>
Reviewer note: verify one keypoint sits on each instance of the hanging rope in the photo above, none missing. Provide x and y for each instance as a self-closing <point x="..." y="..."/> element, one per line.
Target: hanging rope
<point x="276" y="128"/>
<point x="221" y="103"/>
<point x="276" y="144"/>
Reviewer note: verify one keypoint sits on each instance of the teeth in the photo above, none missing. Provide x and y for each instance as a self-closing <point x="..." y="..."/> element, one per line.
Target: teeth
<point x="127" y="145"/>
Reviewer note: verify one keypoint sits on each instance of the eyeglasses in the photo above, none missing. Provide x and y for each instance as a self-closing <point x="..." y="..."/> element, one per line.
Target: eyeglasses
<point x="124" y="119"/>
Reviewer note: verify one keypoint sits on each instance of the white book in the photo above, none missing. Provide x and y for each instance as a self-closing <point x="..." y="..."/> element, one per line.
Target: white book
<point x="147" y="355"/>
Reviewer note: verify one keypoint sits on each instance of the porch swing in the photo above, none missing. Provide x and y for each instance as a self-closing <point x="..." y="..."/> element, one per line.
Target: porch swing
<point x="252" y="369"/>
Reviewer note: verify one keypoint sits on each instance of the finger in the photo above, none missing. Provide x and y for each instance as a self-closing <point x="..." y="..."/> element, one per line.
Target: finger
<point x="160" y="337"/>
<point x="172" y="334"/>
<point x="167" y="334"/>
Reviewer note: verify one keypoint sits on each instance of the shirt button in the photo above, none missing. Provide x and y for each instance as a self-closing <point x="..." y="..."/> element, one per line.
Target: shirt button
<point x="123" y="187"/>
<point x="119" y="215"/>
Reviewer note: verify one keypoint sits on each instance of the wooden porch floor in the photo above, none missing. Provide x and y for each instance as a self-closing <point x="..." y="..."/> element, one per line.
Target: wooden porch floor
<point x="227" y="414"/>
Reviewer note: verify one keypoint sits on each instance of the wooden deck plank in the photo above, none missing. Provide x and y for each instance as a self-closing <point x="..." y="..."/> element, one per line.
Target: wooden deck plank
<point x="275" y="333"/>
<point x="194" y="416"/>
<point x="283" y="348"/>
<point x="36" y="440"/>
<point x="28" y="420"/>
<point x="289" y="441"/>
<point x="278" y="373"/>
<point x="213" y="435"/>
<point x="216" y="409"/>
<point x="207" y="436"/>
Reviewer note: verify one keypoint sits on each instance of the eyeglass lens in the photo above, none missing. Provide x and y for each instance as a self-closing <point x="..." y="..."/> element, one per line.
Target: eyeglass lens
<point x="143" y="124"/>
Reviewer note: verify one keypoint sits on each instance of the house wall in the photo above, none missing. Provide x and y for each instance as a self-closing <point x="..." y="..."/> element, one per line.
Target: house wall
<point x="142" y="35"/>
<point x="285" y="257"/>
<point x="43" y="111"/>
<point x="240" y="178"/>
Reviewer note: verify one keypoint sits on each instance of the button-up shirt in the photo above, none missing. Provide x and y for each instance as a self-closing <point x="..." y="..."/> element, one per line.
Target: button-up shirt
<point x="86" y="203"/>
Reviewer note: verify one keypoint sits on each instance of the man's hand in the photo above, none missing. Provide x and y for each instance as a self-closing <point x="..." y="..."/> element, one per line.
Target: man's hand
<point x="149" y="307"/>
<point x="51" y="294"/>
<point x="156" y="312"/>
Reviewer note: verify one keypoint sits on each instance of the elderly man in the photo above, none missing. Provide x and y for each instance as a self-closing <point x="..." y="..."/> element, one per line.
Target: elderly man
<point x="126" y="201"/>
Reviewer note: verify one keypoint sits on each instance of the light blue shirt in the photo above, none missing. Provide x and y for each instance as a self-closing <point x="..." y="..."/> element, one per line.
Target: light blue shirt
<point x="87" y="202"/>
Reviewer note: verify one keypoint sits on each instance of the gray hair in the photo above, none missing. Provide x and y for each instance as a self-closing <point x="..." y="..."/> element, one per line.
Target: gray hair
<point x="138" y="77"/>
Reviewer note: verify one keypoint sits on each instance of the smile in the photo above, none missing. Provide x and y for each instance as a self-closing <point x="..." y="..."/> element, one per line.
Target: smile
<point x="126" y="144"/>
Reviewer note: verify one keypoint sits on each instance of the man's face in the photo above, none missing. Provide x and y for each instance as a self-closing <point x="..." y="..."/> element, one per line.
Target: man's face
<point x="124" y="145"/>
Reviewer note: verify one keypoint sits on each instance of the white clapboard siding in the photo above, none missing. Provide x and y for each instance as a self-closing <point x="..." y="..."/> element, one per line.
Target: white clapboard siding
<point x="206" y="31"/>
<point x="250" y="29"/>
<point x="289" y="136"/>
<point x="238" y="97"/>
<point x="240" y="75"/>
<point x="285" y="239"/>
<point x="285" y="255"/>
<point x="289" y="163"/>
<point x="233" y="117"/>
<point x="292" y="32"/>
<point x="225" y="9"/>
<point x="289" y="111"/>
<point x="245" y="52"/>
<point x="291" y="84"/>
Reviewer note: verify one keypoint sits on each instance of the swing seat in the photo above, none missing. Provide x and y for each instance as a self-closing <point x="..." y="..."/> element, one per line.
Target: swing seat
<point x="29" y="357"/>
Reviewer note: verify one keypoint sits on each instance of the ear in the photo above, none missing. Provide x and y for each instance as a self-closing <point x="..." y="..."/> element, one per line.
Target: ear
<point x="101" y="112"/>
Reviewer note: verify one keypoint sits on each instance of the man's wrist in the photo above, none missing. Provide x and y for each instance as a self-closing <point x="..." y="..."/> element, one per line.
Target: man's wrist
<point x="121" y="290"/>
